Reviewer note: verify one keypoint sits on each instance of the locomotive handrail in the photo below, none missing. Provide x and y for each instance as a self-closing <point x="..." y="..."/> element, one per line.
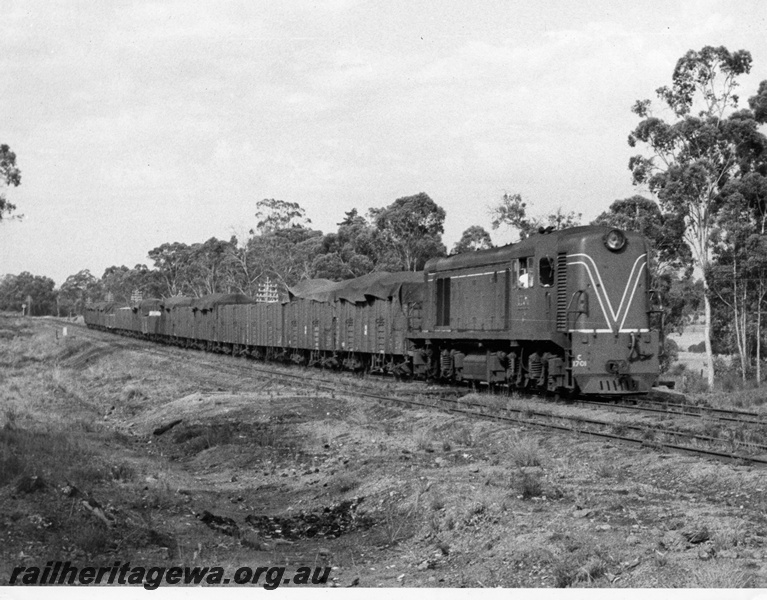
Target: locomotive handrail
<point x="652" y="294"/>
<point x="580" y="311"/>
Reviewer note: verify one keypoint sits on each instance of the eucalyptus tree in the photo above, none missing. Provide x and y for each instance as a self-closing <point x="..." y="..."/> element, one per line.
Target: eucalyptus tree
<point x="411" y="227"/>
<point x="512" y="212"/>
<point x="473" y="238"/>
<point x="172" y="261"/>
<point x="77" y="291"/>
<point x="691" y="157"/>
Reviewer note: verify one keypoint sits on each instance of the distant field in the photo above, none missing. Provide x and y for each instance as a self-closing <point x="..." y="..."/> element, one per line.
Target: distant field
<point x="693" y="334"/>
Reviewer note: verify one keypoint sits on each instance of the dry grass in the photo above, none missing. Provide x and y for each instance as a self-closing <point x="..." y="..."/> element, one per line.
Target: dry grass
<point x="721" y="576"/>
<point x="525" y="452"/>
<point x="462" y="436"/>
<point x="93" y="538"/>
<point x="342" y="483"/>
<point x="579" y="567"/>
<point x="58" y="454"/>
<point x="607" y="470"/>
<point x="398" y="522"/>
<point x="423" y="442"/>
<point x="133" y="393"/>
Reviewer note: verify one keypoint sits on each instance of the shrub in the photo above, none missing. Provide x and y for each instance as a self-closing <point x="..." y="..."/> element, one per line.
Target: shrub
<point x="132" y="393"/>
<point x="678" y="369"/>
<point x="529" y="486"/>
<point x="694" y="383"/>
<point x="668" y="355"/>
<point x="11" y="464"/>
<point x="123" y="472"/>
<point x="578" y="567"/>
<point x="463" y="437"/>
<point x="93" y="538"/>
<point x="606" y="470"/>
<point x="524" y="452"/>
<point x="398" y="522"/>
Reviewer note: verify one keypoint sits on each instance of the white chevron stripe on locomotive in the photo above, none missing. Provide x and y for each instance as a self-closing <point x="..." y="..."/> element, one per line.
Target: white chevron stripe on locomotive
<point x="614" y="319"/>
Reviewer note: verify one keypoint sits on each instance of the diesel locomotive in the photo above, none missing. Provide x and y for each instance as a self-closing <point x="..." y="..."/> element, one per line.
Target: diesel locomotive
<point x="563" y="311"/>
<point x="567" y="311"/>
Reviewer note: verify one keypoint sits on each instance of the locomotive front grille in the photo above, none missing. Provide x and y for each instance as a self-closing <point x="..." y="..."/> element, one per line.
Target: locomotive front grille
<point x="561" y="292"/>
<point x="618" y="385"/>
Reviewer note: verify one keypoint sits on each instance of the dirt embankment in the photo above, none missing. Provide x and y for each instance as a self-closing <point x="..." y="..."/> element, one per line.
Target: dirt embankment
<point x="118" y="455"/>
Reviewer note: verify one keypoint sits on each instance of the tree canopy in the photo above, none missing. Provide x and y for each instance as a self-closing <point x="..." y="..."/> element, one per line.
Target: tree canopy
<point x="10" y="175"/>
<point x="664" y="230"/>
<point x="473" y="238"/>
<point x="77" y="291"/>
<point x="274" y="215"/>
<point x="511" y="211"/>
<point x="412" y="228"/>
<point x="16" y="290"/>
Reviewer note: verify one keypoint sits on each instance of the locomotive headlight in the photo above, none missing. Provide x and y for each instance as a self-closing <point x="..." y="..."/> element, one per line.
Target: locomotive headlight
<point x="615" y="240"/>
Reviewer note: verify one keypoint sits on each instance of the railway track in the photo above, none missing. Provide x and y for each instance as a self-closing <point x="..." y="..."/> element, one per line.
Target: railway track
<point x="688" y="410"/>
<point x="652" y="435"/>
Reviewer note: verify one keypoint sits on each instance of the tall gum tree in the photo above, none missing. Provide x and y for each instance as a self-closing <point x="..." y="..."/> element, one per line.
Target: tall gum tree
<point x="693" y="156"/>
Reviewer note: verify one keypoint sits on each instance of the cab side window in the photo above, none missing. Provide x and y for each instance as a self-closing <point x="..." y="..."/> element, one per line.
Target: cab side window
<point x="524" y="272"/>
<point x="546" y="271"/>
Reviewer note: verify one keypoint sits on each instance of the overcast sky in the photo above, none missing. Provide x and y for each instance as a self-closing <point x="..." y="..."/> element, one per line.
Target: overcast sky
<point x="138" y="123"/>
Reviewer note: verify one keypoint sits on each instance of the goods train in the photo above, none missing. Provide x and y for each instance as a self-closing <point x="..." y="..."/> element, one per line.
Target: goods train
<point x="567" y="311"/>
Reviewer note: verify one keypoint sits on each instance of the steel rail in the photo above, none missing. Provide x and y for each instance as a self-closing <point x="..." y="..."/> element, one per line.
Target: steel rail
<point x="686" y="410"/>
<point x="333" y="387"/>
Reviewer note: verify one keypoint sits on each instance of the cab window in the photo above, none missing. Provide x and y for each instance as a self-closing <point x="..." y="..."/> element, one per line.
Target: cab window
<point x="524" y="272"/>
<point x="546" y="271"/>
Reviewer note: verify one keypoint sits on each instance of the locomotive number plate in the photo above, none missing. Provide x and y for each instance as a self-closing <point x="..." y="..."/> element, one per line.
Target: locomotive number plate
<point x="580" y="361"/>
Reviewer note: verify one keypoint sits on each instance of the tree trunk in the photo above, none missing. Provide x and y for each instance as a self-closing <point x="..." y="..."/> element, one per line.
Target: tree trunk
<point x="738" y="321"/>
<point x="759" y="335"/>
<point x="707" y="333"/>
<point x="744" y="330"/>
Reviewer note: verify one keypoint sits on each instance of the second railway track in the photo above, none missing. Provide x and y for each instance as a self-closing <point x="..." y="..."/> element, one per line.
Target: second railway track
<point x="658" y="435"/>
